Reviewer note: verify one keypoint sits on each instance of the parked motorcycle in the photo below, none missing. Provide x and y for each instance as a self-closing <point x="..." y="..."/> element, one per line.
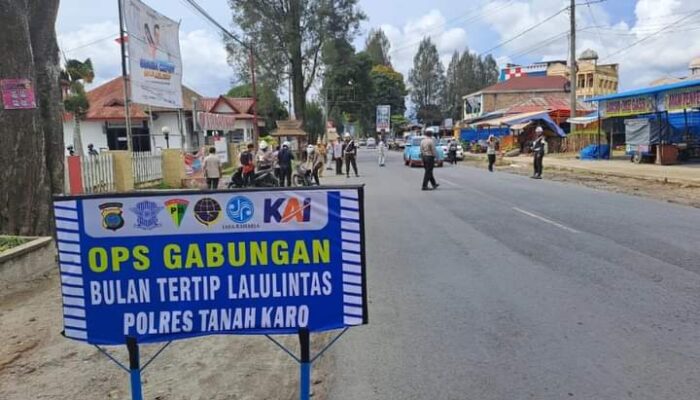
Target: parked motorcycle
<point x="261" y="178"/>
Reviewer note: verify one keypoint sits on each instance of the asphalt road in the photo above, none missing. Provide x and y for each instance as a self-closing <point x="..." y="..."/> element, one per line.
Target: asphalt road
<point x="497" y="286"/>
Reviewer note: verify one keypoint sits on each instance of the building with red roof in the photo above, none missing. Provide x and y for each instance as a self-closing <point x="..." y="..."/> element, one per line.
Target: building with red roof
<point x="104" y="125"/>
<point x="511" y="92"/>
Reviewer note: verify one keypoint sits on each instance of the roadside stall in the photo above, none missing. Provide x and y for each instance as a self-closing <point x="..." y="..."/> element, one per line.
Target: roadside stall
<point x="662" y="123"/>
<point x="518" y="131"/>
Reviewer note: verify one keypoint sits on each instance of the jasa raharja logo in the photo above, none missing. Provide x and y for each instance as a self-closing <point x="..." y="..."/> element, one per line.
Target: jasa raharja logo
<point x="286" y="210"/>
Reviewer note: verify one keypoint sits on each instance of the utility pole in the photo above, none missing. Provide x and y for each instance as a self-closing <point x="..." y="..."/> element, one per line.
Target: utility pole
<point x="125" y="77"/>
<point x="572" y="72"/>
<point x="254" y="88"/>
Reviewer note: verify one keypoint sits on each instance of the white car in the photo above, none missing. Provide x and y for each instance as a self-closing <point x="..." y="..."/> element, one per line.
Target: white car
<point x="445" y="144"/>
<point x="371" y="143"/>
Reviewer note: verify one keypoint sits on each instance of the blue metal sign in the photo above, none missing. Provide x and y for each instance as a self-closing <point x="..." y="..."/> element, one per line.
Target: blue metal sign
<point x="160" y="266"/>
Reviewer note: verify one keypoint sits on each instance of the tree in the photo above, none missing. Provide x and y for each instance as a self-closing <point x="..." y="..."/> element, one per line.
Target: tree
<point x="288" y="36"/>
<point x="377" y="46"/>
<point x="347" y="85"/>
<point x="466" y="73"/>
<point x="454" y="82"/>
<point x="313" y="121"/>
<point x="427" y="79"/>
<point x="76" y="102"/>
<point x="269" y="106"/>
<point x="388" y="88"/>
<point x="32" y="163"/>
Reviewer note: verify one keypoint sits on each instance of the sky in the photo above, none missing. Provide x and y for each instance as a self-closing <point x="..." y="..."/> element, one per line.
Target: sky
<point x="665" y="30"/>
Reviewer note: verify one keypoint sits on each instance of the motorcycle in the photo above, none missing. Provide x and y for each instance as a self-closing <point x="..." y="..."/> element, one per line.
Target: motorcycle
<point x="261" y="178"/>
<point x="302" y="176"/>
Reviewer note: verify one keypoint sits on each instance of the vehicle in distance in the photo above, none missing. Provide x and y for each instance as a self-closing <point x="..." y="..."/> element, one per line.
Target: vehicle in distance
<point x="371" y="143"/>
<point x="445" y="145"/>
<point x="411" y="153"/>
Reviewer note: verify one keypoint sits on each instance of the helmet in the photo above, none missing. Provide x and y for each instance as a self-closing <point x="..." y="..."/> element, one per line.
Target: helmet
<point x="539" y="129"/>
<point x="310" y="148"/>
<point x="346" y="135"/>
<point x="285" y="144"/>
<point x="263" y="145"/>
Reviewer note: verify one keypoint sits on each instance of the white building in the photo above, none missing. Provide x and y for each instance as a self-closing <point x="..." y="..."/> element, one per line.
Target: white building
<point x="104" y="125"/>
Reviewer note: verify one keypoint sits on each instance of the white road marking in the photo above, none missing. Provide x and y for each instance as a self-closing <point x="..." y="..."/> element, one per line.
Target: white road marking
<point x="543" y="219"/>
<point x="449" y="182"/>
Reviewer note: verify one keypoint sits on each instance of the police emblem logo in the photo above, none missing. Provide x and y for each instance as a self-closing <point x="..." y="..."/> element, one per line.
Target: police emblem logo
<point x="147" y="215"/>
<point x="177" y="209"/>
<point x="112" y="218"/>
<point x="207" y="211"/>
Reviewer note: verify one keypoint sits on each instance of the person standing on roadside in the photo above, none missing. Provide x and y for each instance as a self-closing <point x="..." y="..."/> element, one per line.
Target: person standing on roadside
<point x="428" y="153"/>
<point x="323" y="157"/>
<point x="247" y="164"/>
<point x="329" y="154"/>
<point x="452" y="150"/>
<point x="314" y="163"/>
<point x="284" y="159"/>
<point x="381" y="150"/>
<point x="539" y="149"/>
<point x="212" y="169"/>
<point x="338" y="156"/>
<point x="491" y="150"/>
<point x="350" y="154"/>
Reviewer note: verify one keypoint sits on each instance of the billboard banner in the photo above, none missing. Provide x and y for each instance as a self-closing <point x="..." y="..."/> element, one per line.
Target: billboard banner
<point x="683" y="99"/>
<point x="155" y="67"/>
<point x="383" y="118"/>
<point x="162" y="266"/>
<point x="628" y="106"/>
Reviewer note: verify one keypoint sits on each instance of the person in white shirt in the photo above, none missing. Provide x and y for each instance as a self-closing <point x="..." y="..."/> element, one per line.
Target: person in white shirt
<point x="381" y="150"/>
<point x="212" y="169"/>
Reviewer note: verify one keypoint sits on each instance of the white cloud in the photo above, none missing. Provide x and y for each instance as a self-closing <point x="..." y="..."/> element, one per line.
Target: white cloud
<point x="664" y="54"/>
<point x="203" y="56"/>
<point x="405" y="40"/>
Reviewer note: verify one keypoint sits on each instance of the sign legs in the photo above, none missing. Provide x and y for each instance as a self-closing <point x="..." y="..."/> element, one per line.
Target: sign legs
<point x="305" y="365"/>
<point x="134" y="368"/>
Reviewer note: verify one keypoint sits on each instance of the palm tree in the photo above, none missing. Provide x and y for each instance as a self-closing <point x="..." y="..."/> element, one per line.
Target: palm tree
<point x="76" y="74"/>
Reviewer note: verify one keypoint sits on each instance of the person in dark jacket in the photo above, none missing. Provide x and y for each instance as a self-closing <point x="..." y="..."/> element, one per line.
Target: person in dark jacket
<point x="539" y="149"/>
<point x="350" y="154"/>
<point x="284" y="159"/>
<point x="248" y="164"/>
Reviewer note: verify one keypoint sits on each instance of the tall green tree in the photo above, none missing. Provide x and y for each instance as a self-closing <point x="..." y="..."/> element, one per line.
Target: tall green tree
<point x="388" y="88"/>
<point x="377" y="46"/>
<point x="313" y="121"/>
<point x="270" y="108"/>
<point x="427" y="80"/>
<point x="347" y="86"/>
<point x="454" y="82"/>
<point x="32" y="163"/>
<point x="288" y="35"/>
<point x="76" y="74"/>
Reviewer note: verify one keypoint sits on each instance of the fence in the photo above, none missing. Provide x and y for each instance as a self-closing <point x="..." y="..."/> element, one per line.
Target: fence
<point x="98" y="173"/>
<point x="148" y="167"/>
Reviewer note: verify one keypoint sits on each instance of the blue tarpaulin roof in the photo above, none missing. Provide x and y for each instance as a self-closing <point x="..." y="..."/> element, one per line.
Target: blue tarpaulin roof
<point x="653" y="90"/>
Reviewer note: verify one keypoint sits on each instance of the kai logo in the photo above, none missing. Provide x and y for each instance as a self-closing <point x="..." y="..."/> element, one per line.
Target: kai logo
<point x="286" y="210"/>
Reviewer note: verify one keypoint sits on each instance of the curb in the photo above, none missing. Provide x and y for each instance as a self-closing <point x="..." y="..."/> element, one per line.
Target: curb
<point x="614" y="174"/>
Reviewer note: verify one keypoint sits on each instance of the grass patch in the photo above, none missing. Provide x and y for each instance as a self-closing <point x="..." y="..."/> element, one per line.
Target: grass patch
<point x="8" y="242"/>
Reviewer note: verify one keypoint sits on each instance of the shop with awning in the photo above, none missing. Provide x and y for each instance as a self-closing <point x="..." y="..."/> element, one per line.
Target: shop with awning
<point x="671" y="111"/>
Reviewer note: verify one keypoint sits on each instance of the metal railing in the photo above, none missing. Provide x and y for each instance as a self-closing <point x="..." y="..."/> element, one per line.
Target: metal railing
<point x="147" y="166"/>
<point x="98" y="173"/>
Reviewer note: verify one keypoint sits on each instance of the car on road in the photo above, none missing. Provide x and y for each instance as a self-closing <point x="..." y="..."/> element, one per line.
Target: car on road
<point x="362" y="142"/>
<point x="445" y="144"/>
<point x="411" y="153"/>
<point x="400" y="143"/>
<point x="371" y="143"/>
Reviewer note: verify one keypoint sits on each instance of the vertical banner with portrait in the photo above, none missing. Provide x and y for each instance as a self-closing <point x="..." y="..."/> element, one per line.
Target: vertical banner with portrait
<point x="155" y="67"/>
